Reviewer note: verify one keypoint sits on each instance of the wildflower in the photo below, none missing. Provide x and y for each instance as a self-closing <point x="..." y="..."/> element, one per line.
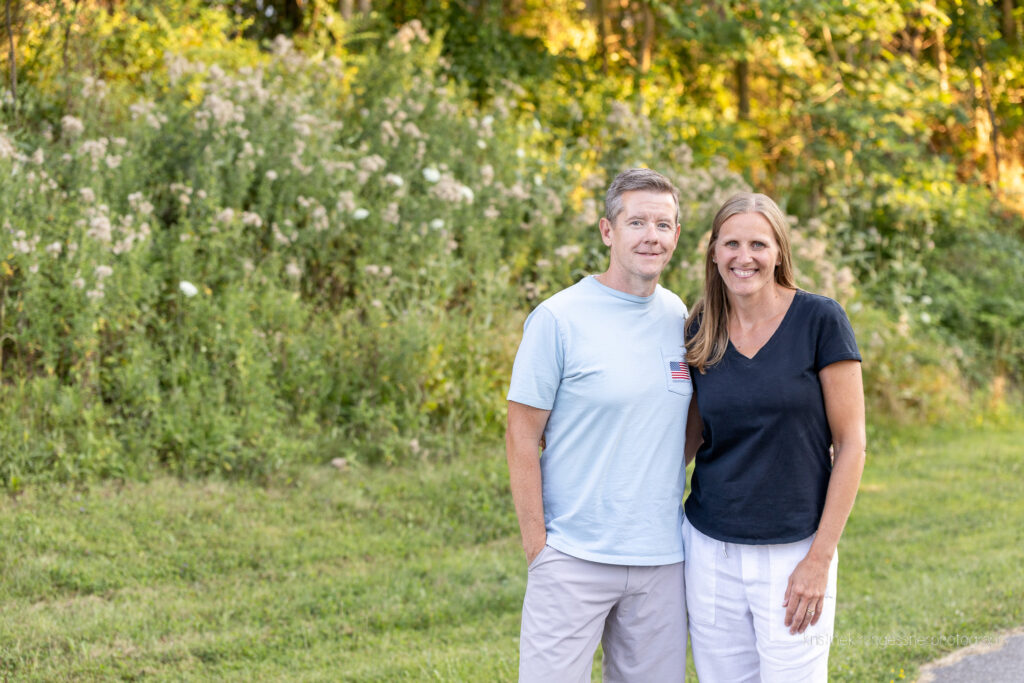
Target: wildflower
<point x="372" y="163"/>
<point x="360" y="214"/>
<point x="7" y="148"/>
<point x="394" y="179"/>
<point x="23" y="244"/>
<point x="113" y="160"/>
<point x="567" y="251"/>
<point x="346" y="202"/>
<point x="87" y="195"/>
<point x="251" y="219"/>
<point x="71" y="126"/>
<point x="293" y="270"/>
<point x="78" y="283"/>
<point x="103" y="272"/>
<point x="372" y="269"/>
<point x="94" y="294"/>
<point x="487" y="174"/>
<point x="54" y="249"/>
<point x="271" y="175"/>
<point x="481" y="144"/>
<point x="187" y="288"/>
<point x="431" y="174"/>
<point x="226" y="215"/>
<point x="391" y="214"/>
<point x="437" y="224"/>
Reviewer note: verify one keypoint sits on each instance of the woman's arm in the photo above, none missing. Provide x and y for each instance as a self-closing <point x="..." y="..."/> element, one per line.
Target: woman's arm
<point x="843" y="389"/>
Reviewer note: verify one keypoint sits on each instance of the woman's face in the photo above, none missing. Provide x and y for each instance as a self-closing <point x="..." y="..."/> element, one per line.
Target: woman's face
<point x="746" y="253"/>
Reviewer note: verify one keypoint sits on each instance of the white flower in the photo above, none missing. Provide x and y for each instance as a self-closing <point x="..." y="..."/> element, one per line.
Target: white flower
<point x="360" y="214"/>
<point x="293" y="270"/>
<point x="72" y="126"/>
<point x="437" y="224"/>
<point x="567" y="251"/>
<point x="251" y="219"/>
<point x="271" y="175"/>
<point x="103" y="272"/>
<point x="54" y="248"/>
<point x="481" y="144"/>
<point x="187" y="288"/>
<point x="431" y="174"/>
<point x="78" y="283"/>
<point x="394" y="179"/>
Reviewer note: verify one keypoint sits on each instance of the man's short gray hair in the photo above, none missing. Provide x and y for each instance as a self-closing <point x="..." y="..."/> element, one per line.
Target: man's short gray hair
<point x="637" y="179"/>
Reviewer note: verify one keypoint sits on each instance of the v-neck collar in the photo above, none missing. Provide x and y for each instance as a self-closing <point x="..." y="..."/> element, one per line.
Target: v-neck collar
<point x="782" y="323"/>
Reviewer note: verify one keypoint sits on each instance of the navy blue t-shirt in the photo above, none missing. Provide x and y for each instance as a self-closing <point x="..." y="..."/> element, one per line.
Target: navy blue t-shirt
<point x="762" y="472"/>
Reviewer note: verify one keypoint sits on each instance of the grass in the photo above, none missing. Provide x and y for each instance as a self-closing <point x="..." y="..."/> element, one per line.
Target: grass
<point x="416" y="573"/>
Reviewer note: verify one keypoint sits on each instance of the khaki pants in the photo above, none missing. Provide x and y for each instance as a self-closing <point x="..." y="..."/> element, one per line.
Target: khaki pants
<point x="637" y="613"/>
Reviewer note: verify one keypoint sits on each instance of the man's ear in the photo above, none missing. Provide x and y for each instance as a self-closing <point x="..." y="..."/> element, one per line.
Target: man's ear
<point x="606" y="229"/>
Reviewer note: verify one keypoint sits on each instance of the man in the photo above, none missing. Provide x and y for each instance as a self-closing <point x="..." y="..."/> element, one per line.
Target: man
<point x="600" y="379"/>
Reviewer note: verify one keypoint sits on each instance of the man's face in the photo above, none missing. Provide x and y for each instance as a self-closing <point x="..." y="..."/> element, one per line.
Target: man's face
<point x="642" y="240"/>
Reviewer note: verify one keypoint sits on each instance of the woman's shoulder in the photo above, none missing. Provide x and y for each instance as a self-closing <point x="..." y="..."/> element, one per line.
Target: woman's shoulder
<point x="812" y="304"/>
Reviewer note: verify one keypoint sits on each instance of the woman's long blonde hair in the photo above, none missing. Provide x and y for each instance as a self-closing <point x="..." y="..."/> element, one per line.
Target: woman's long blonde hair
<point x="707" y="345"/>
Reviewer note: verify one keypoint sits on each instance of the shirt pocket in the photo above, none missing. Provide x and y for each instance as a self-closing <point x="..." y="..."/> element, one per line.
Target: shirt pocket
<point x="677" y="372"/>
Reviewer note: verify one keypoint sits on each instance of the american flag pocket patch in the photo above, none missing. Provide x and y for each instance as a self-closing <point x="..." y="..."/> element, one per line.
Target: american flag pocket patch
<point x="678" y="370"/>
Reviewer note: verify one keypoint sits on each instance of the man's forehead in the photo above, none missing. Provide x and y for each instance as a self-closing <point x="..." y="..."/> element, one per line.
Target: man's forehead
<point x="643" y="203"/>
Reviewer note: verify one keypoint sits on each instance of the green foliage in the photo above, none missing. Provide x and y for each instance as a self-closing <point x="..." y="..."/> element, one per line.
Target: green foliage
<point x="220" y="256"/>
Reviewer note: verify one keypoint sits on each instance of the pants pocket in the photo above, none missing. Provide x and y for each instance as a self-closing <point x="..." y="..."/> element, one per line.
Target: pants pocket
<point x="783" y="559"/>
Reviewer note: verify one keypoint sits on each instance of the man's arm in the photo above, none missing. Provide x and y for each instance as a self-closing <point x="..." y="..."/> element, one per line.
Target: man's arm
<point x="694" y="430"/>
<point x="522" y="447"/>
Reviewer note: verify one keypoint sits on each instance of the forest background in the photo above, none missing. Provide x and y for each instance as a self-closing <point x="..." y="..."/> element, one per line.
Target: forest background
<point x="244" y="239"/>
<point x="238" y="235"/>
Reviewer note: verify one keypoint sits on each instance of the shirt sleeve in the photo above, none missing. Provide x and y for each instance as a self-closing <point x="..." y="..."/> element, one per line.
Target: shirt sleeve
<point x="836" y="340"/>
<point x="537" y="371"/>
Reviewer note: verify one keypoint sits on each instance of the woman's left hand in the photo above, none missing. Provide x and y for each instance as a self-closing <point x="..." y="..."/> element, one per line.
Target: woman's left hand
<point x="805" y="593"/>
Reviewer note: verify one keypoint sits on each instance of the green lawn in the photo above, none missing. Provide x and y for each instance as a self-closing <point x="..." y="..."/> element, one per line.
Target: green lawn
<point x="416" y="574"/>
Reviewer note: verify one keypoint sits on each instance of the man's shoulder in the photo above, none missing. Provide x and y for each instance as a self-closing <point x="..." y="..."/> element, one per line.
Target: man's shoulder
<point x="566" y="300"/>
<point x="670" y="299"/>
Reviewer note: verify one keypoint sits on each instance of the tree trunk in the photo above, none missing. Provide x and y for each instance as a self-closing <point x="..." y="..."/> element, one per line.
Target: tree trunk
<point x="743" y="88"/>
<point x="345" y="9"/>
<point x="647" y="46"/>
<point x="364" y="6"/>
<point x="1009" y="26"/>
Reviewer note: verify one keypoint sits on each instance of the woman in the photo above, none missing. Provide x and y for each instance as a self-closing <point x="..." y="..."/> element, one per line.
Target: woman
<point x="778" y="430"/>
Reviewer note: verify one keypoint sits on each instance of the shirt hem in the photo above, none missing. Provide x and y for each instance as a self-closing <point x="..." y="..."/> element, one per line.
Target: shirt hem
<point x="619" y="560"/>
<point x="726" y="538"/>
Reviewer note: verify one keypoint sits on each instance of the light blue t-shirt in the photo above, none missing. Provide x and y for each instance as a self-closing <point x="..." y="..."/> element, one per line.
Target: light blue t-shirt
<point x="610" y="367"/>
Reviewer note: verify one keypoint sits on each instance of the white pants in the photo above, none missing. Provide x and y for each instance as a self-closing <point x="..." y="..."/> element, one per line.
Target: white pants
<point x="734" y="595"/>
<point x="637" y="613"/>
